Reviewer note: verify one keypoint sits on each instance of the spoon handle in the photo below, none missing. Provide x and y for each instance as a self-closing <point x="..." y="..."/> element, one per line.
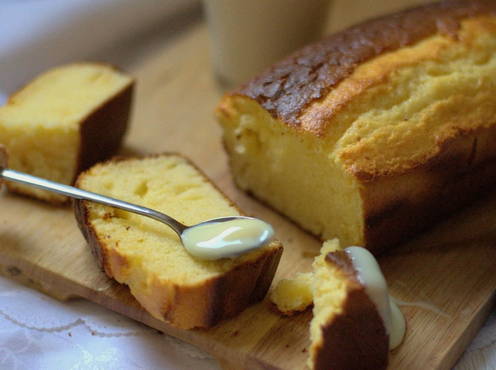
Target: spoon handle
<point x="77" y="193"/>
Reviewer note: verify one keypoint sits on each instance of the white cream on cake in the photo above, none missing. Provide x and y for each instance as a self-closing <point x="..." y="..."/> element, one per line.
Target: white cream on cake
<point x="226" y="239"/>
<point x="370" y="276"/>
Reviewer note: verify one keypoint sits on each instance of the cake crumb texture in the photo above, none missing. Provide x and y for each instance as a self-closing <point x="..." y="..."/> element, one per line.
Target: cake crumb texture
<point x="401" y="141"/>
<point x="148" y="256"/>
<point x="65" y="120"/>
<point x="346" y="331"/>
<point x="293" y="295"/>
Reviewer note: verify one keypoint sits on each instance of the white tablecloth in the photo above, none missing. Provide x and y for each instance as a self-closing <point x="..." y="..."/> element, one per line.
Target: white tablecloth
<point x="36" y="331"/>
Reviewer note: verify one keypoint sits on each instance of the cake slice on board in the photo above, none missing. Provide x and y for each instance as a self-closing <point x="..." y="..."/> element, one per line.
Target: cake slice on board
<point x="64" y="121"/>
<point x="355" y="322"/>
<point x="146" y="255"/>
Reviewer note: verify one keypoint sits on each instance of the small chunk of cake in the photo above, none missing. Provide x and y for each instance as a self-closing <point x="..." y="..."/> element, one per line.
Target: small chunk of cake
<point x="293" y="295"/>
<point x="64" y="121"/>
<point x="347" y="330"/>
<point x="148" y="256"/>
<point x="355" y="322"/>
<point x="296" y="294"/>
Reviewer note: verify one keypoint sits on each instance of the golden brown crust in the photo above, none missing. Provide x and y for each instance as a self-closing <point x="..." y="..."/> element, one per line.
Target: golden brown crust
<point x="96" y="246"/>
<point x="202" y="305"/>
<point x="101" y="133"/>
<point x="396" y="207"/>
<point x="3" y="157"/>
<point x="288" y="87"/>
<point x="342" y="262"/>
<point x="356" y="338"/>
<point x="3" y="162"/>
<point x="103" y="129"/>
<point x="416" y="169"/>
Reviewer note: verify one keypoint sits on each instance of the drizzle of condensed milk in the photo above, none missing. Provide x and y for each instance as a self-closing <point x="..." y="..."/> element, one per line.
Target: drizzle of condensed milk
<point x="370" y="276"/>
<point x="226" y="239"/>
<point x="422" y="305"/>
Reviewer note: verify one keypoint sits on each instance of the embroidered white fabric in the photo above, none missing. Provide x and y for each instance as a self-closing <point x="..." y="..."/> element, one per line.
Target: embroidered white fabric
<point x="39" y="332"/>
<point x="481" y="354"/>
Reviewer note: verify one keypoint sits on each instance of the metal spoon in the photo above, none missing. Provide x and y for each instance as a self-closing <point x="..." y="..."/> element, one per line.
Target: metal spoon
<point x="226" y="243"/>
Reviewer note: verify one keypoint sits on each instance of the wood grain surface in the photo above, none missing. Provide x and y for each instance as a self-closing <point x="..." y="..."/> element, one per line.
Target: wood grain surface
<point x="445" y="278"/>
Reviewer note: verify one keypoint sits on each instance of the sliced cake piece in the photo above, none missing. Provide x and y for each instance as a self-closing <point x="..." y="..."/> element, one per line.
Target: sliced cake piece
<point x="355" y="322"/>
<point x="146" y="255"/>
<point x="376" y="132"/>
<point x="64" y="121"/>
<point x="347" y="331"/>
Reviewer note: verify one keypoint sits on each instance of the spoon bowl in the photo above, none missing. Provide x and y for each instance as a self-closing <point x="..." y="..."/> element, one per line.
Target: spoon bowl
<point x="224" y="237"/>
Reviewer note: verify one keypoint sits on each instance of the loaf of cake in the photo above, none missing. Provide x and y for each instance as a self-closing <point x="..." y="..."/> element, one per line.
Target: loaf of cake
<point x="355" y="323"/>
<point x="375" y="132"/>
<point x="64" y="121"/>
<point x="148" y="256"/>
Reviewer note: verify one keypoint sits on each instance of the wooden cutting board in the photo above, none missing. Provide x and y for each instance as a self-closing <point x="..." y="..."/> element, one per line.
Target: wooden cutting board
<point x="446" y="277"/>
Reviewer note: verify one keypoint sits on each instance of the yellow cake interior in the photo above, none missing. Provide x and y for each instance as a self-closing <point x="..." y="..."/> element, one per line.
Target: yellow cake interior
<point x="387" y="117"/>
<point x="329" y="289"/>
<point x="293" y="295"/>
<point x="40" y="124"/>
<point x="324" y="285"/>
<point x="151" y="250"/>
<point x="289" y="169"/>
